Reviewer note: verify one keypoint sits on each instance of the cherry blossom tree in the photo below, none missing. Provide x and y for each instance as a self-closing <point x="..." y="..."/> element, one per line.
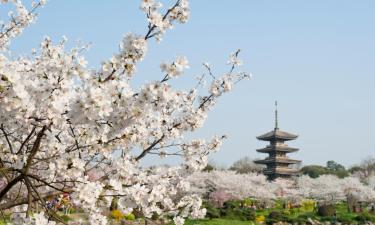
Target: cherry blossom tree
<point x="238" y="186"/>
<point x="371" y="181"/>
<point x="329" y="188"/>
<point x="60" y="121"/>
<point x="326" y="188"/>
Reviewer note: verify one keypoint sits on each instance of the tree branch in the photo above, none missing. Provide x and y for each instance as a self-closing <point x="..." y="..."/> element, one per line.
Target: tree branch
<point x="145" y="151"/>
<point x="35" y="149"/>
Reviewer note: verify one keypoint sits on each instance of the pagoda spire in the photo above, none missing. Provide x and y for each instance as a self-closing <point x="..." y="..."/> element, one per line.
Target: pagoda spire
<point x="276" y="117"/>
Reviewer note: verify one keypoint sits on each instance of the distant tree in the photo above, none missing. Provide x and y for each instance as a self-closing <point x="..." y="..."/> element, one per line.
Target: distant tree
<point x="337" y="169"/>
<point x="332" y="168"/>
<point x="246" y="165"/>
<point x="368" y="166"/>
<point x="314" y="171"/>
<point x="238" y="186"/>
<point x="209" y="168"/>
<point x="365" y="169"/>
<point x="355" y="169"/>
<point x="219" y="197"/>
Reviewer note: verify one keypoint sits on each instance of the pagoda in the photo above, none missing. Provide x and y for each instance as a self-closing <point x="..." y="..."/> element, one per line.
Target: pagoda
<point x="277" y="163"/>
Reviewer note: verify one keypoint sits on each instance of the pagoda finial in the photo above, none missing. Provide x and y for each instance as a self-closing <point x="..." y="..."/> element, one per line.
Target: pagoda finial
<point x="276" y="117"/>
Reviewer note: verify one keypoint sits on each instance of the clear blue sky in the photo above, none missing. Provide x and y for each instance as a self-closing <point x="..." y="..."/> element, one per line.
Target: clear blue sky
<point x="317" y="58"/>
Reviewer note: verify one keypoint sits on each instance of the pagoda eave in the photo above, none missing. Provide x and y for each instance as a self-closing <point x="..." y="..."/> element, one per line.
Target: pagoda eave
<point x="282" y="172"/>
<point x="277" y="134"/>
<point x="277" y="149"/>
<point x="277" y="160"/>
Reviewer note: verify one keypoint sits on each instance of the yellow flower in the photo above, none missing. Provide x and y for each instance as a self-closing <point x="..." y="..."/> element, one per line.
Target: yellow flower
<point x="260" y="219"/>
<point x="308" y="205"/>
<point x="117" y="214"/>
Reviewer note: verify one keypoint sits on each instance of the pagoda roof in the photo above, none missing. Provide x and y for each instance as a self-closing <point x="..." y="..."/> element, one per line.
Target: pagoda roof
<point x="279" y="148"/>
<point x="277" y="160"/>
<point x="277" y="134"/>
<point x="282" y="171"/>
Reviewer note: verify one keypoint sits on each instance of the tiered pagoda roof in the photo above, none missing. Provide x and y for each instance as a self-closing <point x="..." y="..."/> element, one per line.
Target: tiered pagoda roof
<point x="277" y="162"/>
<point x="277" y="134"/>
<point x="281" y="148"/>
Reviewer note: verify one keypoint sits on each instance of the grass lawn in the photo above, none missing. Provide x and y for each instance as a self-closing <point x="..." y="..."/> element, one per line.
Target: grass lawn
<point x="276" y="214"/>
<point x="217" y="222"/>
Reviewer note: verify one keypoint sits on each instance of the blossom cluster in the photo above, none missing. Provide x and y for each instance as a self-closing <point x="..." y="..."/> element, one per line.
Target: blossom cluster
<point x="17" y="21"/>
<point x="158" y="22"/>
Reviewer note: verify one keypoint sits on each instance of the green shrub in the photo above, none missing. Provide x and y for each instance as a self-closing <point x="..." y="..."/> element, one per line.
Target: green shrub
<point x="326" y="218"/>
<point x="308" y="205"/>
<point x="305" y="216"/>
<point x="212" y="211"/>
<point x="326" y="210"/>
<point x="65" y="218"/>
<point x="231" y="204"/>
<point x="247" y="202"/>
<point x="130" y="216"/>
<point x="309" y="215"/>
<point x="243" y="214"/>
<point x="276" y="216"/>
<point x="248" y="214"/>
<point x="234" y="210"/>
<point x="279" y="204"/>
<point x="365" y="217"/>
<point x="346" y="219"/>
<point x="296" y="220"/>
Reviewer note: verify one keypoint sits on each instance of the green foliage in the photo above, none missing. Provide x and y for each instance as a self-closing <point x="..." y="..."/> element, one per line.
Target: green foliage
<point x="301" y="218"/>
<point x="307" y="215"/>
<point x="217" y="222"/>
<point x="343" y="216"/>
<point x="279" y="204"/>
<point x="5" y="219"/>
<point x="231" y="204"/>
<point x="212" y="211"/>
<point x="332" y="167"/>
<point x="248" y="201"/>
<point x="365" y="217"/>
<point x="276" y="216"/>
<point x="130" y="216"/>
<point x="65" y="218"/>
<point x="208" y="168"/>
<point x="326" y="219"/>
<point x="326" y="210"/>
<point x="234" y="210"/>
<point x="337" y="169"/>
<point x="341" y="173"/>
<point x="308" y="205"/>
<point x="355" y="169"/>
<point x="314" y="171"/>
<point x="346" y="219"/>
